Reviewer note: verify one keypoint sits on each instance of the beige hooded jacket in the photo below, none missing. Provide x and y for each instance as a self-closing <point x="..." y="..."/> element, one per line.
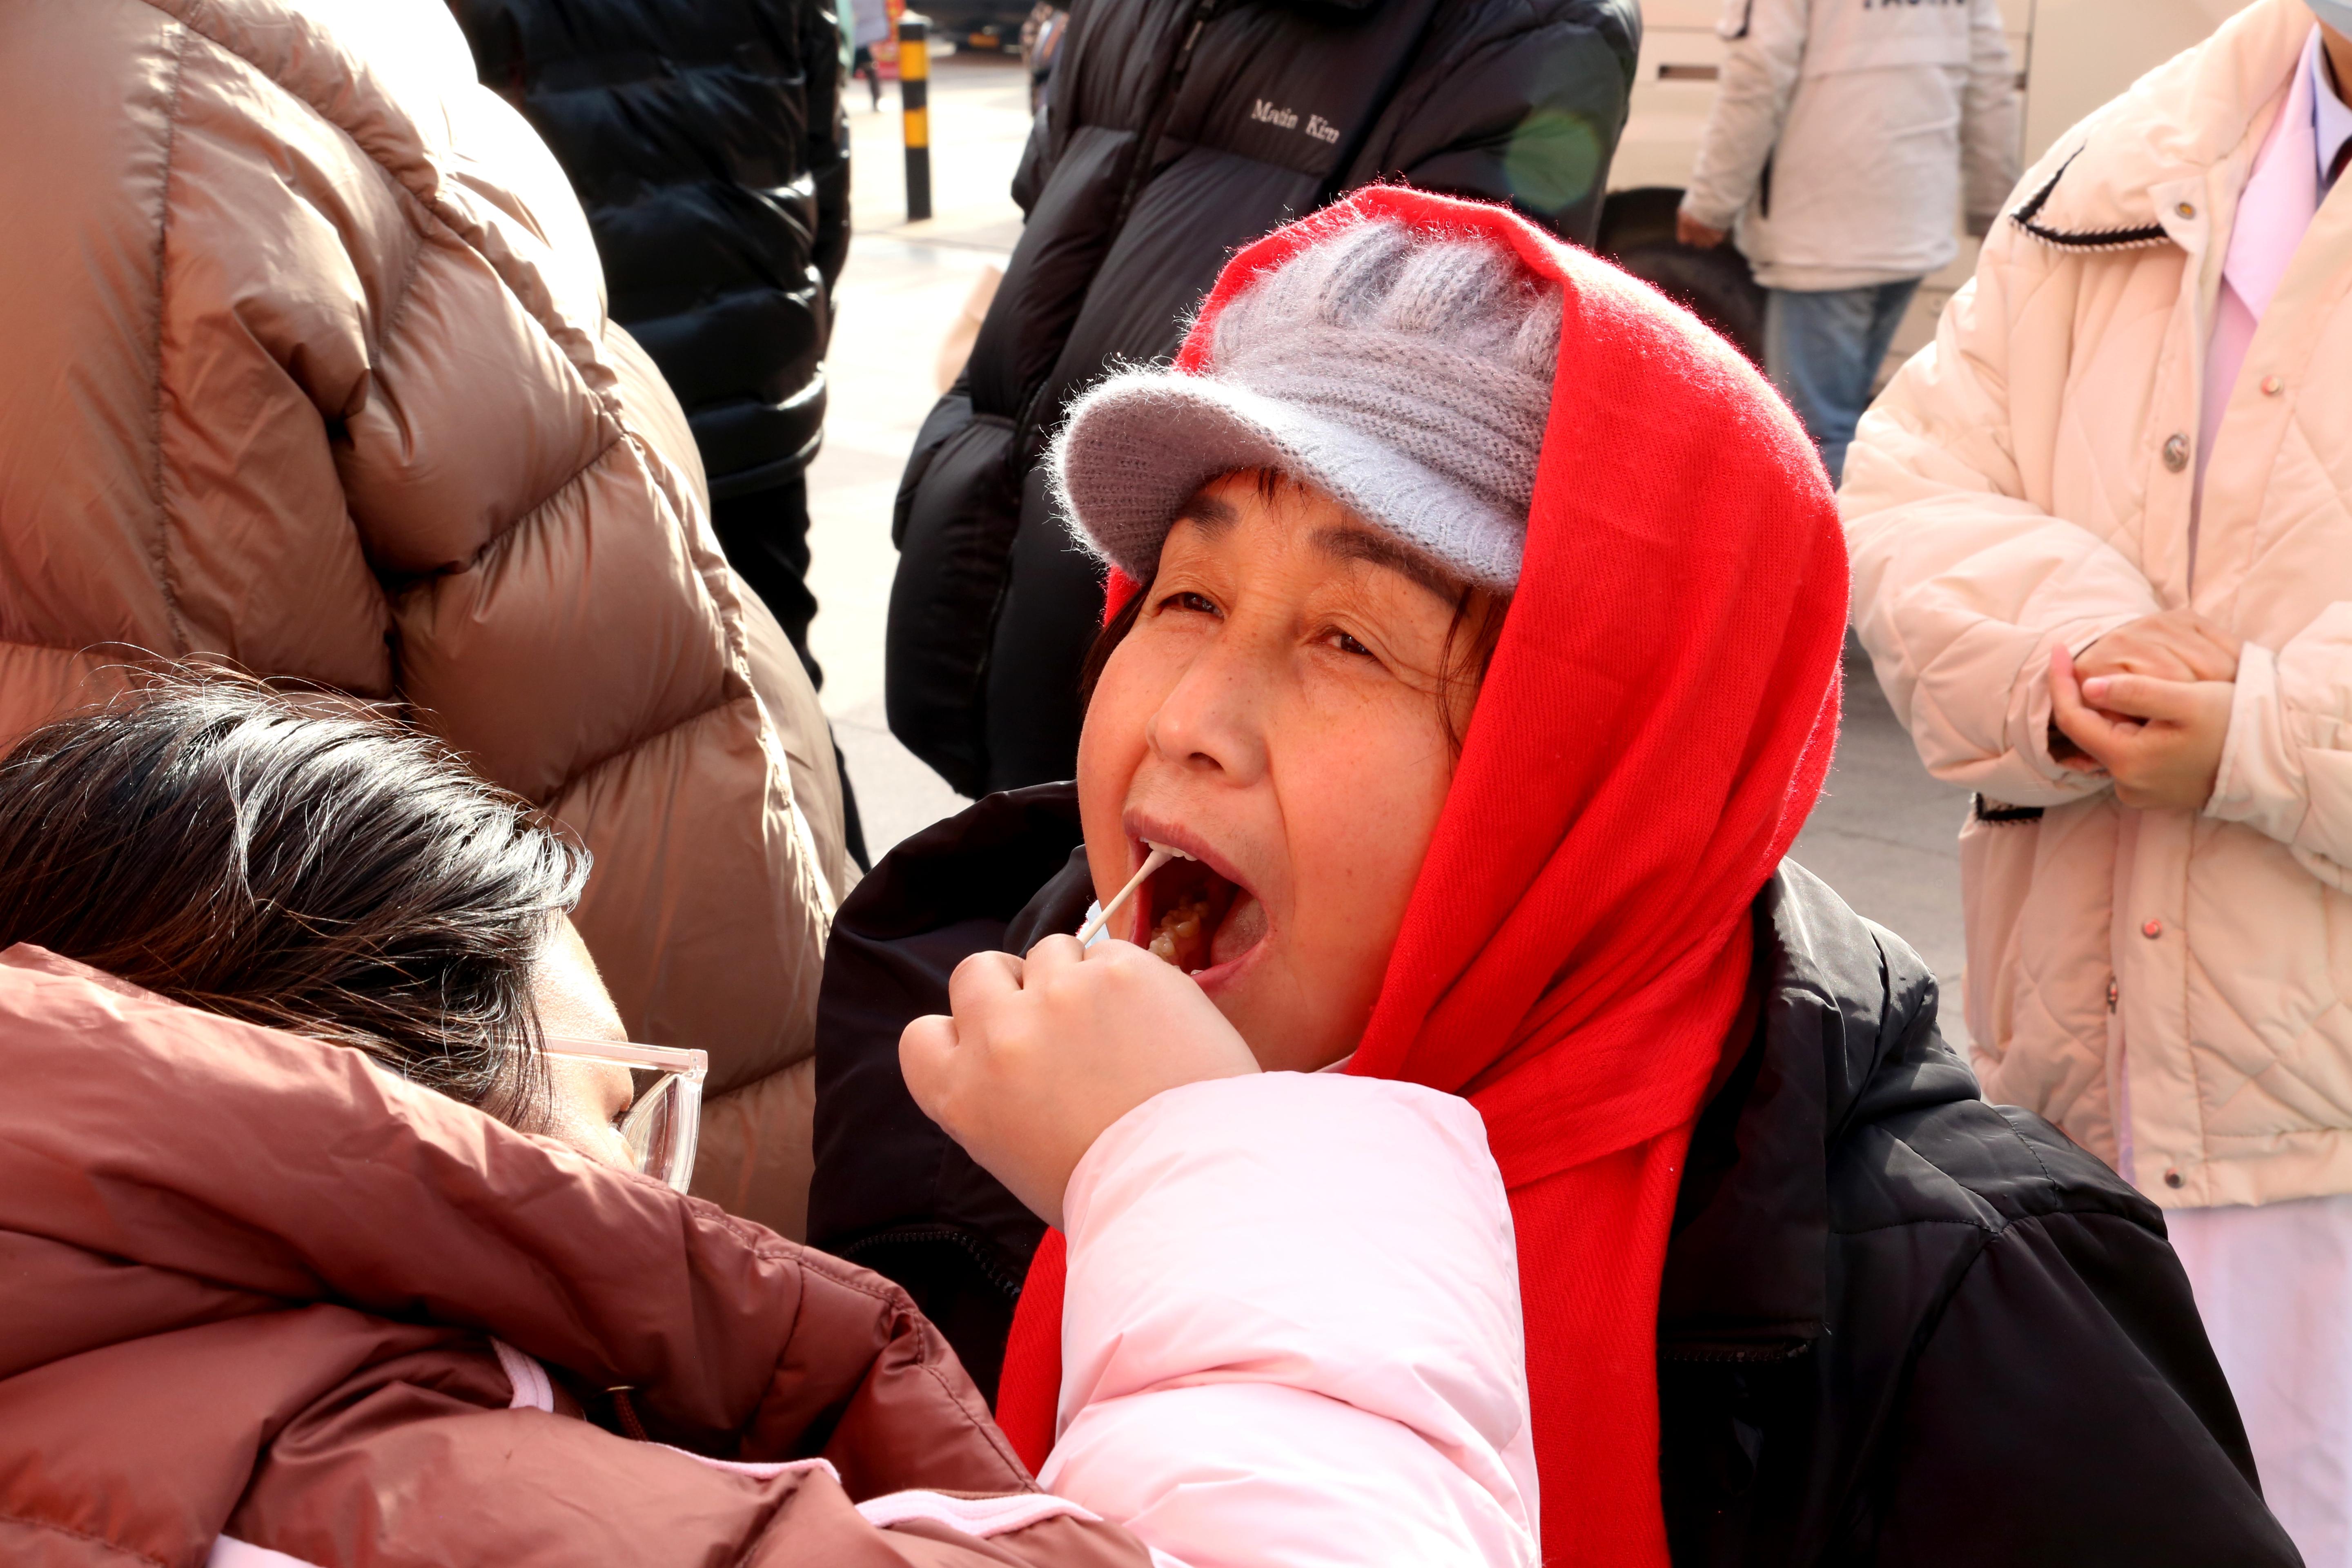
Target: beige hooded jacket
<point x="307" y="367"/>
<point x="2026" y="481"/>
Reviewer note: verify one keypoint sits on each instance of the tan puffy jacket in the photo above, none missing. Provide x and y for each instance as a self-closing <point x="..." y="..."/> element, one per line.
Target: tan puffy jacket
<point x="2026" y="481"/>
<point x="304" y="364"/>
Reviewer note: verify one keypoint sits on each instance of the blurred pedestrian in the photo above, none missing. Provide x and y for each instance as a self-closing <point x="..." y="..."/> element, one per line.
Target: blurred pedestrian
<point x="1844" y="137"/>
<point x="867" y="23"/>
<point x="2102" y="536"/>
<point x="1041" y="41"/>
<point x="313" y="373"/>
<point x="1173" y="131"/>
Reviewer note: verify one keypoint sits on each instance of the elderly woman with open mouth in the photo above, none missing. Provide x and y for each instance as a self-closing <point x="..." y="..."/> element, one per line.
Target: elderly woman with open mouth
<point x="1472" y="664"/>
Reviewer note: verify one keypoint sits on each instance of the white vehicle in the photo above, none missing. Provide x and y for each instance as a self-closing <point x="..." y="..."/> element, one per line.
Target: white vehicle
<point x="2072" y="56"/>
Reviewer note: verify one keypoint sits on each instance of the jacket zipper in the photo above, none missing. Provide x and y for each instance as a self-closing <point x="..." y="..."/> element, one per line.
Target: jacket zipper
<point x="1138" y="171"/>
<point x="1149" y="143"/>
<point x="1723" y="1351"/>
<point x="978" y="1252"/>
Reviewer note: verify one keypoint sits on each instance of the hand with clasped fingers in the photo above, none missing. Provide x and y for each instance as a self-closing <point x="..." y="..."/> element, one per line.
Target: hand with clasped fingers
<point x="1043" y="1053"/>
<point x="2149" y="704"/>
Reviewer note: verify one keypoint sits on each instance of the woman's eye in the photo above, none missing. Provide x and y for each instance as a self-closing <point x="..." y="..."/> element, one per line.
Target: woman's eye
<point x="1347" y="644"/>
<point x="1199" y="604"/>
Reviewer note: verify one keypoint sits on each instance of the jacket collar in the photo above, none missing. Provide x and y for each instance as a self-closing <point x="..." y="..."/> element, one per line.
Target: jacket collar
<point x="2116" y="181"/>
<point x="1845" y="1034"/>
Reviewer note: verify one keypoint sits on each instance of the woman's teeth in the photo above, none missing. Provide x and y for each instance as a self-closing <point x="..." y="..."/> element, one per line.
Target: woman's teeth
<point x="1179" y="940"/>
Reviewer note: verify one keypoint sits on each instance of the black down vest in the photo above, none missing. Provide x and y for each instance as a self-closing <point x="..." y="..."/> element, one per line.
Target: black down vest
<point x="1176" y="132"/>
<point x="705" y="140"/>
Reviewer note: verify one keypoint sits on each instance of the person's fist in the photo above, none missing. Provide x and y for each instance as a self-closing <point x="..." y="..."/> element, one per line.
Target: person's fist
<point x="2175" y="645"/>
<point x="1043" y="1053"/>
<point x="1693" y="233"/>
<point x="2172" y="645"/>
<point x="2160" y="741"/>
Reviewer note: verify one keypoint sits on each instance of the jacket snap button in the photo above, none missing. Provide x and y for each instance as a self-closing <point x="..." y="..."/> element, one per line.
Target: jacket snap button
<point x="2272" y="387"/>
<point x="2153" y="930"/>
<point x="2175" y="1179"/>
<point x="2176" y="453"/>
<point x="2186" y="209"/>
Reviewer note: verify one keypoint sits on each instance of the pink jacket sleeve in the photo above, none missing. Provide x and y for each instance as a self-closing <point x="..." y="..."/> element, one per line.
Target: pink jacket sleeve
<point x="1292" y="1329"/>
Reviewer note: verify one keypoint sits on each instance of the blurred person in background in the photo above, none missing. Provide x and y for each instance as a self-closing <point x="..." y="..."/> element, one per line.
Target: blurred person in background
<point x="2102" y="537"/>
<point x="311" y="371"/>
<point x="1844" y="137"/>
<point x="1172" y="132"/>
<point x="1040" y="43"/>
<point x="706" y="141"/>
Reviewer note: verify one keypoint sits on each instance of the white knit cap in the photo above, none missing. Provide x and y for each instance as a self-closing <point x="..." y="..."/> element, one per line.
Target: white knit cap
<point x="1406" y="374"/>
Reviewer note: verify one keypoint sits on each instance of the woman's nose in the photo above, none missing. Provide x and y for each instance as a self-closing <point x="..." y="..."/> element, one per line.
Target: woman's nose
<point x="1211" y="718"/>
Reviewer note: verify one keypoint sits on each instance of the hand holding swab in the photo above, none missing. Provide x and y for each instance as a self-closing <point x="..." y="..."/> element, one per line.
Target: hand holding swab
<point x="1160" y="855"/>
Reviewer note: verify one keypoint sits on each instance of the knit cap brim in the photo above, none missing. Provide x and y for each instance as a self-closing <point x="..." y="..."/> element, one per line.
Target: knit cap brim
<point x="1142" y="444"/>
<point x="1406" y="375"/>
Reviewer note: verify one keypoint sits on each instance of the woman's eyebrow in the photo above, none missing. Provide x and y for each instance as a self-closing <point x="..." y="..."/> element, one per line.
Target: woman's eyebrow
<point x="1209" y="515"/>
<point x="1372" y="549"/>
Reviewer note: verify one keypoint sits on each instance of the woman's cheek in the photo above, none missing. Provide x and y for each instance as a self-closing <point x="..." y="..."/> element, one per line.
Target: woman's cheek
<point x="1111" y="745"/>
<point x="1381" y="781"/>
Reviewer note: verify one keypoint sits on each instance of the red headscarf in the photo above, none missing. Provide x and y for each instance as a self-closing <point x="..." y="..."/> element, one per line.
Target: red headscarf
<point x="1652" y="733"/>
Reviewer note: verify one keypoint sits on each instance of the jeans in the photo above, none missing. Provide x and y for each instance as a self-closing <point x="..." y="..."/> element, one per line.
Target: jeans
<point x="1823" y="349"/>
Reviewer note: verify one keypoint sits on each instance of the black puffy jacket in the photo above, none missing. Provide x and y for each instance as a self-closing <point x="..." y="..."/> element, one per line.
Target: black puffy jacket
<point x="1176" y="132"/>
<point x="705" y="140"/>
<point x="1897" y="1325"/>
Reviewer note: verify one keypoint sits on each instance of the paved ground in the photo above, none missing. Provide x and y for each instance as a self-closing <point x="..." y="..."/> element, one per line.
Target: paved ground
<point x="1884" y="836"/>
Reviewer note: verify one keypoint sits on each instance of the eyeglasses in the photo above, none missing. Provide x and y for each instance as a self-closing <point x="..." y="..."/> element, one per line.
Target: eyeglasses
<point x="665" y="1118"/>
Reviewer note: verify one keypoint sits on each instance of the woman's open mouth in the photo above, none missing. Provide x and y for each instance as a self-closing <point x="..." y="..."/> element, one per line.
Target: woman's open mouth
<point x="1194" y="917"/>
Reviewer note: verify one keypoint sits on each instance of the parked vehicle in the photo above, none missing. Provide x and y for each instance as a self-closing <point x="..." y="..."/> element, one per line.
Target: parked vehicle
<point x="990" y="27"/>
<point x="2072" y="57"/>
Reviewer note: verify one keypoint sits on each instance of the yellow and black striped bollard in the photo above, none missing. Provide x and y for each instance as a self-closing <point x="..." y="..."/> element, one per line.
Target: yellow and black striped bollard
<point x="914" y="101"/>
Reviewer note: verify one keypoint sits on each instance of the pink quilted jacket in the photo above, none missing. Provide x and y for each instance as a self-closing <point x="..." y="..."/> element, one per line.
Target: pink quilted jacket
<point x="2026" y="481"/>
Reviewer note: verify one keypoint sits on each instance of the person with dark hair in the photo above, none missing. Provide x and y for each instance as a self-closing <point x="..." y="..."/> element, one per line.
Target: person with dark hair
<point x="327" y="874"/>
<point x="342" y="1226"/>
<point x="1173" y="133"/>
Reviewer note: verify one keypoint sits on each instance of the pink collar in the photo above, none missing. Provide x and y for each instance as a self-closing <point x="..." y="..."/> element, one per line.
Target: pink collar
<point x="2281" y="196"/>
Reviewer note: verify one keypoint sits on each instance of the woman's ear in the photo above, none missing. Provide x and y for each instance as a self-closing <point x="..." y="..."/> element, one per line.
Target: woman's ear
<point x="567" y="992"/>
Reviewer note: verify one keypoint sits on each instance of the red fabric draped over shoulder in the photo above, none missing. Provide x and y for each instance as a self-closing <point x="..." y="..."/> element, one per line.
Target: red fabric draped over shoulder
<point x="1656" y="725"/>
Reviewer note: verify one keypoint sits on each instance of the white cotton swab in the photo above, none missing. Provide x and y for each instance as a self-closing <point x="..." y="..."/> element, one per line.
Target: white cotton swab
<point x="1160" y="855"/>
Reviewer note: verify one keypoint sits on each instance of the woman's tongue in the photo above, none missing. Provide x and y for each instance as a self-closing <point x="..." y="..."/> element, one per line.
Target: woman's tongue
<point x="1240" y="931"/>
